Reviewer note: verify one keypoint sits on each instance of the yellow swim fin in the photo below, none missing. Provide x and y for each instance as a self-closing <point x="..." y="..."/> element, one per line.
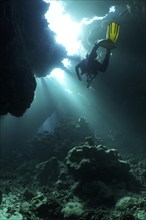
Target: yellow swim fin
<point x="113" y="31"/>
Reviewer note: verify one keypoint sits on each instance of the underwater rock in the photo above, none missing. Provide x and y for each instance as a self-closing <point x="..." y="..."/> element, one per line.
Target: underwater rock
<point x="17" y="82"/>
<point x="1" y="196"/>
<point x="127" y="216"/>
<point x="89" y="141"/>
<point x="96" y="214"/>
<point x="39" y="39"/>
<point x="97" y="163"/>
<point x="132" y="207"/>
<point x="72" y="210"/>
<point x="47" y="207"/>
<point x="125" y="203"/>
<point x="48" y="170"/>
<point x="90" y="189"/>
<point x="28" y="195"/>
<point x="42" y="210"/>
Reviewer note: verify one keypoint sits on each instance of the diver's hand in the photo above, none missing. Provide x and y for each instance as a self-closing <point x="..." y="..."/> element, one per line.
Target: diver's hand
<point x="77" y="72"/>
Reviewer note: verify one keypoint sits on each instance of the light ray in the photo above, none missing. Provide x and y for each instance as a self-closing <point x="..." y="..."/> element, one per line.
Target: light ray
<point x="67" y="30"/>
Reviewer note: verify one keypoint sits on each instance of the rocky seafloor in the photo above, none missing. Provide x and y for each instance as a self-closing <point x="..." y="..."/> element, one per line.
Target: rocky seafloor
<point x="69" y="174"/>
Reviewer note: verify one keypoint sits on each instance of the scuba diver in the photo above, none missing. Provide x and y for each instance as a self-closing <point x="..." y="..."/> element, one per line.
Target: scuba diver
<point x="90" y="65"/>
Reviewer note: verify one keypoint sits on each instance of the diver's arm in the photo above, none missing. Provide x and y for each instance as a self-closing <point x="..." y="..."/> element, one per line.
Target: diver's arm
<point x="96" y="46"/>
<point x="93" y="53"/>
<point x="77" y="67"/>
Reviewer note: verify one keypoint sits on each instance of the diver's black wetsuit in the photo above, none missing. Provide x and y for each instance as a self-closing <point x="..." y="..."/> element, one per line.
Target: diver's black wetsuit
<point x="91" y="66"/>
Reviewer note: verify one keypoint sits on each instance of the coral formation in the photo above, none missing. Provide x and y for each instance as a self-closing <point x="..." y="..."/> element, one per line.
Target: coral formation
<point x="97" y="163"/>
<point x="72" y="209"/>
<point x="73" y="179"/>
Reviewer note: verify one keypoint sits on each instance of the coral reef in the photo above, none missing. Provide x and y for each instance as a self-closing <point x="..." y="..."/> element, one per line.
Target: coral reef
<point x="72" y="209"/>
<point x="78" y="180"/>
<point x="97" y="163"/>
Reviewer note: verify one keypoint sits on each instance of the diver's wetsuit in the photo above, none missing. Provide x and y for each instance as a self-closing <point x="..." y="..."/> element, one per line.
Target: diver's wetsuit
<point x="90" y="65"/>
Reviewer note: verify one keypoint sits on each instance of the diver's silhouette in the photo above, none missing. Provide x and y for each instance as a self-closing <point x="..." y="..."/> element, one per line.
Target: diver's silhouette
<point x="90" y="65"/>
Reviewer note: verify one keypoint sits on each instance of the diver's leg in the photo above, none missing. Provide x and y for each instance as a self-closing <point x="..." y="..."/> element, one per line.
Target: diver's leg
<point x="90" y="77"/>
